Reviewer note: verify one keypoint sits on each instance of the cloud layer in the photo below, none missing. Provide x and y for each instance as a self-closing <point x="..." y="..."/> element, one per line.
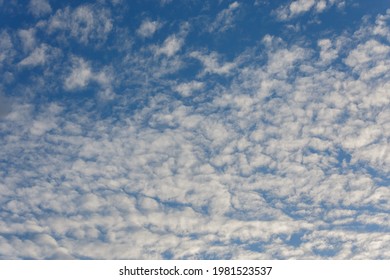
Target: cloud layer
<point x="116" y="147"/>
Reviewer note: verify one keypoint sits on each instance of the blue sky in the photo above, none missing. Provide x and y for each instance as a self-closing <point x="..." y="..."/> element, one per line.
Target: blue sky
<point x="194" y="129"/>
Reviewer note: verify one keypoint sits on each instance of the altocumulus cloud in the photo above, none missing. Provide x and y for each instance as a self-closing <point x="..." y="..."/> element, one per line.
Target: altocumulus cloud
<point x="124" y="137"/>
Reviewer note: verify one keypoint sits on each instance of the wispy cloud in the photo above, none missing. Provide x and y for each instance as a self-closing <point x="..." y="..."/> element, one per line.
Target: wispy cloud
<point x="186" y="89"/>
<point x="148" y="28"/>
<point x="225" y="18"/>
<point x="211" y="63"/>
<point x="300" y="7"/>
<point x="171" y="46"/>
<point x="6" y="48"/>
<point x="39" y="7"/>
<point x="37" y="57"/>
<point x="87" y="23"/>
<point x="81" y="74"/>
<point x="27" y="36"/>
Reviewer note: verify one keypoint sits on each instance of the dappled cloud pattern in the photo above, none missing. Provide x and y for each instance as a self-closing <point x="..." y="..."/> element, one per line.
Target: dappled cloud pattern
<point x="151" y="140"/>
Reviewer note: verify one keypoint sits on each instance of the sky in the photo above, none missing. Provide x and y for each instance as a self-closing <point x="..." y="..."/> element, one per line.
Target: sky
<point x="195" y="129"/>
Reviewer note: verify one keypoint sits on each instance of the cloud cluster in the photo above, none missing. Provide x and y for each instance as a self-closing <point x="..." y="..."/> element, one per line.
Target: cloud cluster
<point x="280" y="152"/>
<point x="300" y="7"/>
<point x="86" y="24"/>
<point x="81" y="75"/>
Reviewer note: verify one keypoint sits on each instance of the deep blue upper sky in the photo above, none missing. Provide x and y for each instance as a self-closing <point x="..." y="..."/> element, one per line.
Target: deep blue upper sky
<point x="194" y="129"/>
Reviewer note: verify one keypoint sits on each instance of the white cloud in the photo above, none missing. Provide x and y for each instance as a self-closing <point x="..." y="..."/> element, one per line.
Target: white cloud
<point x="381" y="25"/>
<point x="299" y="7"/>
<point x="46" y="122"/>
<point x="224" y="19"/>
<point x="148" y="28"/>
<point x="37" y="57"/>
<point x="186" y="89"/>
<point x="6" y="47"/>
<point x="284" y="158"/>
<point x="39" y="128"/>
<point x="211" y="63"/>
<point x="27" y="36"/>
<point x="328" y="51"/>
<point x="171" y="46"/>
<point x="366" y="52"/>
<point x="81" y="74"/>
<point x="39" y="7"/>
<point x="367" y="135"/>
<point x="87" y="23"/>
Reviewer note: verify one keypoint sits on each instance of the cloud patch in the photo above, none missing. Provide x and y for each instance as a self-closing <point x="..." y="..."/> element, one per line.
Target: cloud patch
<point x="81" y="74"/>
<point x="225" y="18"/>
<point x="39" y="8"/>
<point x="86" y="24"/>
<point x="171" y="46"/>
<point x="37" y="57"/>
<point x="300" y="7"/>
<point x="148" y="28"/>
<point x="186" y="89"/>
<point x="211" y="63"/>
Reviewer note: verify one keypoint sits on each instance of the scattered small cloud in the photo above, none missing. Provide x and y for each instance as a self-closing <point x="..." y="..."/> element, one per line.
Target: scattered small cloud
<point x="37" y="57"/>
<point x="225" y="19"/>
<point x="87" y="23"/>
<point x="299" y="7"/>
<point x="6" y="47"/>
<point x="328" y="52"/>
<point x="81" y="74"/>
<point x="211" y="63"/>
<point x="148" y="28"/>
<point x="27" y="37"/>
<point x="39" y="8"/>
<point x="171" y="46"/>
<point x="186" y="89"/>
